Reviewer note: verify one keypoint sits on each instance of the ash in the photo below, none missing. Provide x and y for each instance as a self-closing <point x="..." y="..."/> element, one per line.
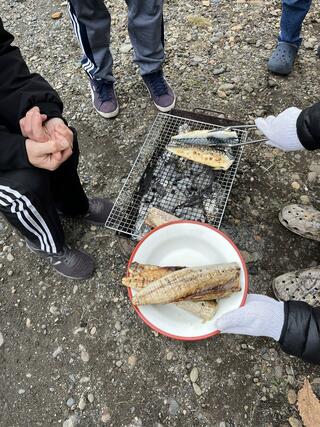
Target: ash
<point x="183" y="188"/>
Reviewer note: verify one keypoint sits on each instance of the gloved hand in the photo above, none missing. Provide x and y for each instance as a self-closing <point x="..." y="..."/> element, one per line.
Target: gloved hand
<point x="282" y="130"/>
<point x="261" y="316"/>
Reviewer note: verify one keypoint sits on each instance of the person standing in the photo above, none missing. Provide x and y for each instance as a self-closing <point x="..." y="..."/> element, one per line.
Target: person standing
<point x="91" y="21"/>
<point x="289" y="41"/>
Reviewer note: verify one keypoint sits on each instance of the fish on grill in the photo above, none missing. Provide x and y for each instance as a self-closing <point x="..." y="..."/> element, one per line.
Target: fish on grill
<point x="186" y="282"/>
<point x="205" y="155"/>
<point x="207" y="136"/>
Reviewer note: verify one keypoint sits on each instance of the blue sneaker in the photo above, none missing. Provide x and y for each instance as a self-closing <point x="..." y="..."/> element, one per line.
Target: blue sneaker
<point x="282" y="59"/>
<point x="160" y="91"/>
<point x="104" y="98"/>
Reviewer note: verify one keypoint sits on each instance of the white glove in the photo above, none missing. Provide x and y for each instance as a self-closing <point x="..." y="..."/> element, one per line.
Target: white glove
<point x="282" y="130"/>
<point x="261" y="316"/>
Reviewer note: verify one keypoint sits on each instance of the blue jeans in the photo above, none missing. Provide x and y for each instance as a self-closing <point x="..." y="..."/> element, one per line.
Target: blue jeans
<point x="293" y="14"/>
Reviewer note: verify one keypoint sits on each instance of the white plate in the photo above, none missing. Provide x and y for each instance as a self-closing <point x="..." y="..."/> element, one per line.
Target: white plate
<point x="190" y="244"/>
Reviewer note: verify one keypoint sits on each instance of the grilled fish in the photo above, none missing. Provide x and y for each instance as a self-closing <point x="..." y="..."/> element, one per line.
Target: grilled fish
<point x="206" y="155"/>
<point x="141" y="275"/>
<point x="180" y="284"/>
<point x="206" y="136"/>
<point x="204" y="309"/>
<point x="218" y="292"/>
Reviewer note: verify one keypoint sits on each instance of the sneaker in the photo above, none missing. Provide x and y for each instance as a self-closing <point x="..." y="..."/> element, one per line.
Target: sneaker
<point x="282" y="59"/>
<point x="104" y="98"/>
<point x="160" y="91"/>
<point x="301" y="220"/>
<point x="301" y="285"/>
<point x="99" y="211"/>
<point x="70" y="263"/>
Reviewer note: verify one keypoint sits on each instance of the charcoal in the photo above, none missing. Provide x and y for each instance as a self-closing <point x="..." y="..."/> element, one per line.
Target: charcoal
<point x="195" y="214"/>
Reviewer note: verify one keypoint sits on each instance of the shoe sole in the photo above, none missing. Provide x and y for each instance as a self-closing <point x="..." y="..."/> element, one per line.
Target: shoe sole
<point x="163" y="109"/>
<point x="283" y="222"/>
<point x="57" y="271"/>
<point x="105" y="115"/>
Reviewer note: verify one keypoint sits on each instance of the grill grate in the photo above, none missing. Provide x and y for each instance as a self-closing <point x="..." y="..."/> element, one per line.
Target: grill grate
<point x="175" y="185"/>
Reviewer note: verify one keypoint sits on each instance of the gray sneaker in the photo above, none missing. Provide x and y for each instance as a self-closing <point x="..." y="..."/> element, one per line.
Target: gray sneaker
<point x="160" y="91"/>
<point x="99" y="211"/>
<point x="282" y="59"/>
<point x="104" y="98"/>
<point x="70" y="262"/>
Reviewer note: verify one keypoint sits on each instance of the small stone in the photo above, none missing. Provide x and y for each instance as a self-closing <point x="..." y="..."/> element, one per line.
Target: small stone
<point x="194" y="375"/>
<point x="292" y="397"/>
<point x="117" y="325"/>
<point x="70" y="402"/>
<point x="263" y="398"/>
<point x="54" y="310"/>
<point x="56" y="15"/>
<point x="197" y="389"/>
<point x="272" y="83"/>
<point x="221" y="94"/>
<point x="305" y="199"/>
<point x="312" y="176"/>
<point x="295" y="185"/>
<point x="105" y="416"/>
<point x="21" y="391"/>
<point x="10" y="257"/>
<point x="70" y="422"/>
<point x="218" y="71"/>
<point x="84" y="380"/>
<point x="169" y="355"/>
<point x="132" y="361"/>
<point x="278" y="370"/>
<point x="93" y="330"/>
<point x="57" y="351"/>
<point x="82" y="403"/>
<point x="118" y="363"/>
<point x="1" y="339"/>
<point x="173" y="407"/>
<point x="90" y="397"/>
<point x="294" y="422"/>
<point x="125" y="48"/>
<point x="28" y="323"/>
<point x="226" y="87"/>
<point x="84" y="354"/>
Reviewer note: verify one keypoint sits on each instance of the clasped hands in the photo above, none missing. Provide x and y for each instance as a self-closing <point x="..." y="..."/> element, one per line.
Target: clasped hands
<point x="49" y="143"/>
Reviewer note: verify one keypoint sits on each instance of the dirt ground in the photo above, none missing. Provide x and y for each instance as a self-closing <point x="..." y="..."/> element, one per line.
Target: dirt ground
<point x="70" y="344"/>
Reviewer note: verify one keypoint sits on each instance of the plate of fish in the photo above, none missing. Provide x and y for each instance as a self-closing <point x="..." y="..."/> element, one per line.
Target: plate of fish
<point x="184" y="275"/>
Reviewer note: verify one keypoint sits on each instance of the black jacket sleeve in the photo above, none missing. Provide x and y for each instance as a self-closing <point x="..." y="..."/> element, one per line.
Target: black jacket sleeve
<point x="19" y="91"/>
<point x="308" y="127"/>
<point x="301" y="331"/>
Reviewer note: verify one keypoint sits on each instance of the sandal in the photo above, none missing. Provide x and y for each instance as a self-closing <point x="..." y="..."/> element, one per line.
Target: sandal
<point x="301" y="220"/>
<point x="301" y="285"/>
<point x="282" y="59"/>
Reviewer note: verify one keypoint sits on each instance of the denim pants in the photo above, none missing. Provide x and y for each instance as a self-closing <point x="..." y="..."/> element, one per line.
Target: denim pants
<point x="92" y="24"/>
<point x="293" y="14"/>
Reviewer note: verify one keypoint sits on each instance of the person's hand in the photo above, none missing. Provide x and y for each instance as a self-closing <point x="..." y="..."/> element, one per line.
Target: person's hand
<point x="32" y="127"/>
<point x="48" y="155"/>
<point x="281" y="131"/>
<point x="261" y="316"/>
<point x="58" y="126"/>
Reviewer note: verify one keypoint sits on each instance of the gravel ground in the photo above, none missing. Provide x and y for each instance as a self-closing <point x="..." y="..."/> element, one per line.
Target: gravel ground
<point x="76" y="353"/>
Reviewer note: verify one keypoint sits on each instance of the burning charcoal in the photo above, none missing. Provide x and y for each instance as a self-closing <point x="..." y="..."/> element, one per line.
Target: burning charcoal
<point x="211" y="208"/>
<point x="172" y="200"/>
<point x="193" y="213"/>
<point x="184" y="185"/>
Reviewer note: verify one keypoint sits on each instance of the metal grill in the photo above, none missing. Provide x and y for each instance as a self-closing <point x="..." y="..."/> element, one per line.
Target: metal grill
<point x="181" y="187"/>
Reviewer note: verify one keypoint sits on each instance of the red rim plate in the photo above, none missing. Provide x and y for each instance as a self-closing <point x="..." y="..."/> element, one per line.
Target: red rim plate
<point x="151" y="325"/>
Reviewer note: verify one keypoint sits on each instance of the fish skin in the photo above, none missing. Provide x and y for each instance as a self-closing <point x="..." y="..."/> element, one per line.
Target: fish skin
<point x="216" y="159"/>
<point x="141" y="275"/>
<point x="182" y="283"/>
<point x="219" y="135"/>
<point x="219" y="292"/>
<point x="203" y="309"/>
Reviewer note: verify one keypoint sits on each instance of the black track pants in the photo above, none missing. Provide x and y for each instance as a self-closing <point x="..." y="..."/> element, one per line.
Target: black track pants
<point x="30" y="198"/>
